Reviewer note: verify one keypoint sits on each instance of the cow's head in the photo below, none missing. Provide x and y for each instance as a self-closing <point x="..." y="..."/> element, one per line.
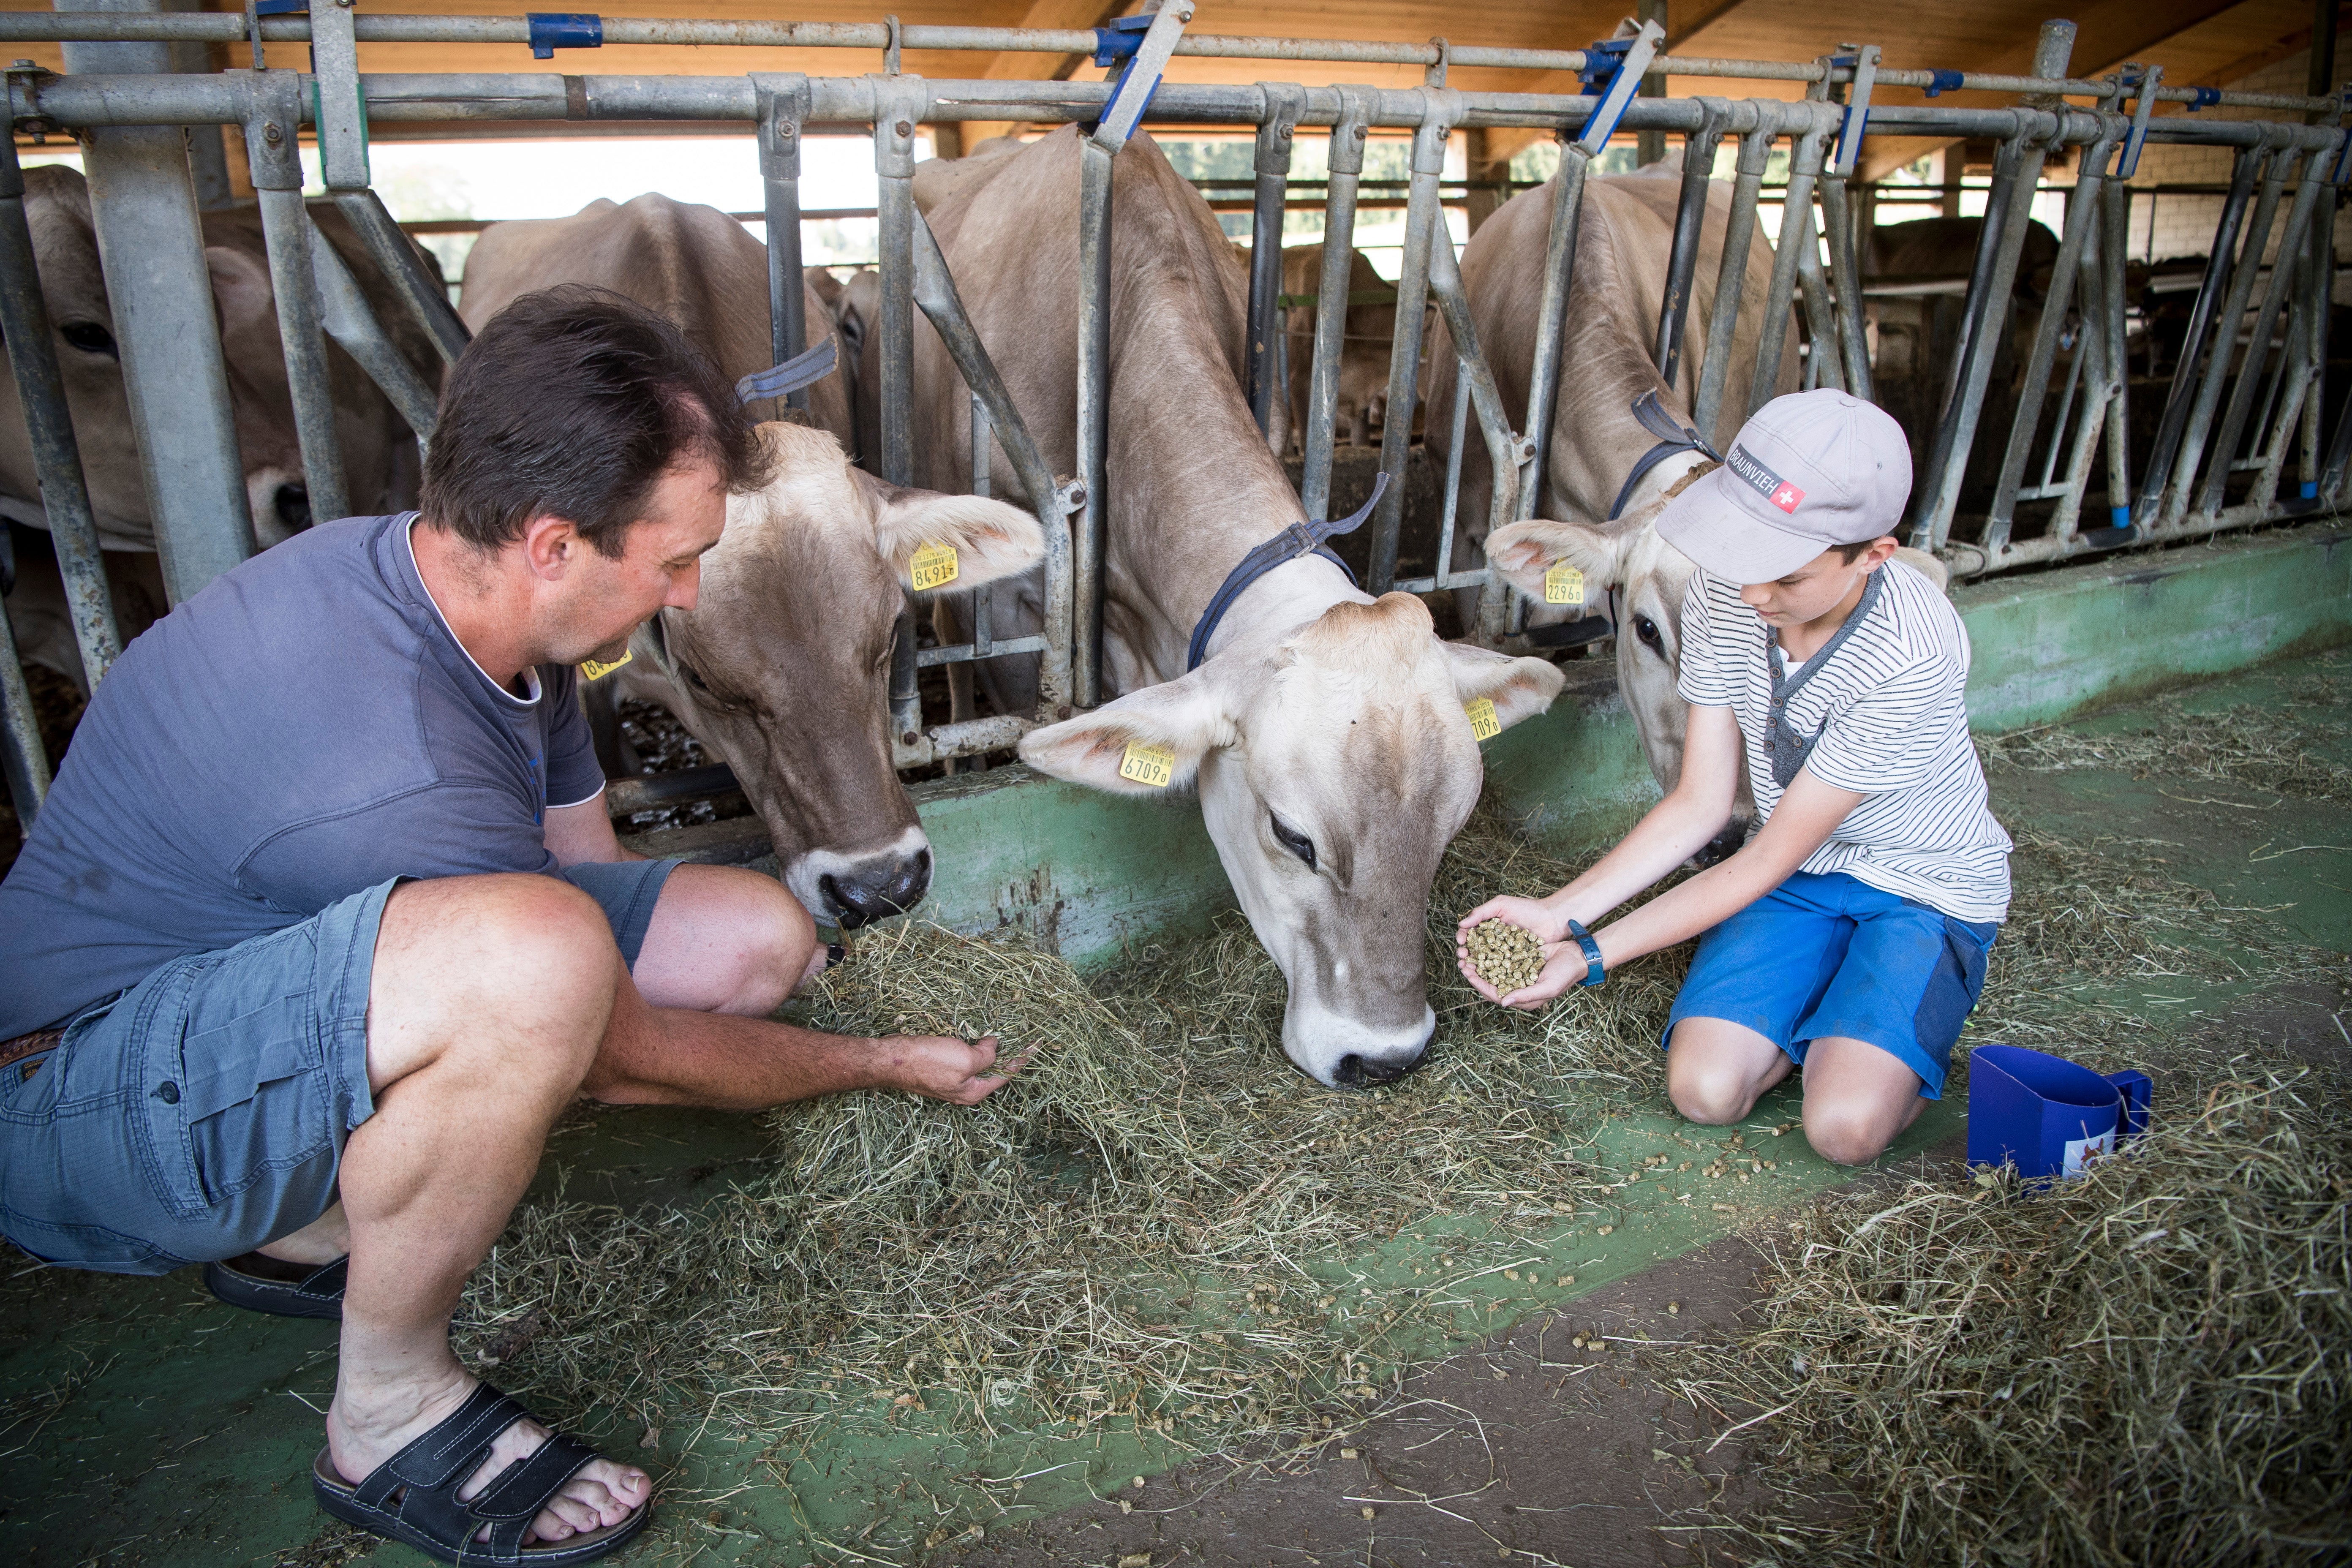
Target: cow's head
<point x="57" y="210"/>
<point x="1333" y="770"/>
<point x="783" y="664"/>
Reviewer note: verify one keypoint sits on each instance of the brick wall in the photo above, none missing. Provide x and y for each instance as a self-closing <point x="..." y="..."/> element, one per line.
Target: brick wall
<point x="2176" y="225"/>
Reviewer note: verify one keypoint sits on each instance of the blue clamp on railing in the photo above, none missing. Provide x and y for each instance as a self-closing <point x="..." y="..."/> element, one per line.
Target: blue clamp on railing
<point x="1118" y="40"/>
<point x="1944" y="81"/>
<point x="553" y="30"/>
<point x="1603" y="61"/>
<point x="1613" y="69"/>
<point x="2207" y="97"/>
<point x="2144" y="84"/>
<point x="1865" y="65"/>
<point x="280" y="7"/>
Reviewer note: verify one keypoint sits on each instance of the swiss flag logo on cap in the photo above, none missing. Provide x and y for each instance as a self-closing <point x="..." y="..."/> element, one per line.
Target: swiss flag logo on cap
<point x="1787" y="496"/>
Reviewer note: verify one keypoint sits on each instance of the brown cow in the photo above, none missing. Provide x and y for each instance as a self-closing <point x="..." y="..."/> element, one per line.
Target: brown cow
<point x="1324" y="731"/>
<point x="782" y="664"/>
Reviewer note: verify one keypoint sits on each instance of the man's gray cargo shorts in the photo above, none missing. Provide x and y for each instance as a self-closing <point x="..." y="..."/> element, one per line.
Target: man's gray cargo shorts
<point x="204" y="1112"/>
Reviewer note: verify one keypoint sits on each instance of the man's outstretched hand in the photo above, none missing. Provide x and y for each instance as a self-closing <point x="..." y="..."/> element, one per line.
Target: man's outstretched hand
<point x="941" y="1066"/>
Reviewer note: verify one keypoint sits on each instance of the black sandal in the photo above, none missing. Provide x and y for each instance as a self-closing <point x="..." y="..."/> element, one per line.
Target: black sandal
<point x="262" y="1284"/>
<point x="412" y="1496"/>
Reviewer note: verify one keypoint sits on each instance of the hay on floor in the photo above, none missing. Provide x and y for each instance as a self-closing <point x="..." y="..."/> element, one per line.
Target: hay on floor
<point x="1153" y="1224"/>
<point x="2152" y="1363"/>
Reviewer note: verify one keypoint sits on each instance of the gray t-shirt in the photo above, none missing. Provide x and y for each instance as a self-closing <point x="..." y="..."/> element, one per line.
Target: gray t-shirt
<point x="304" y="727"/>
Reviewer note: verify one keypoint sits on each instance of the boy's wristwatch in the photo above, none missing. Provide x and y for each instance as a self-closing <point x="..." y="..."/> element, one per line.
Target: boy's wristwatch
<point x="1594" y="973"/>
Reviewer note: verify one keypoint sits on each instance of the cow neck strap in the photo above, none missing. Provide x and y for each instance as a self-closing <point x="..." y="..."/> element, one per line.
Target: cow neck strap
<point x="1299" y="539"/>
<point x="1673" y="436"/>
<point x="804" y="369"/>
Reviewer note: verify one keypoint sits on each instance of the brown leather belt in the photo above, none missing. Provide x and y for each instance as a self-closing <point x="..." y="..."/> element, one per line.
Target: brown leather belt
<point x="23" y="1045"/>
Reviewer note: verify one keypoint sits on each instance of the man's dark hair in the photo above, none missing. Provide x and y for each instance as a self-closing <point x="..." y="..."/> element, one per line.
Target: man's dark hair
<point x="573" y="401"/>
<point x="1850" y="554"/>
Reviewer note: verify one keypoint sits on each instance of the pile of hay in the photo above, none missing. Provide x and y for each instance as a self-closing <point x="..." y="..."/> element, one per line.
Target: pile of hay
<point x="2153" y="1363"/>
<point x="1153" y="1224"/>
<point x="2284" y="749"/>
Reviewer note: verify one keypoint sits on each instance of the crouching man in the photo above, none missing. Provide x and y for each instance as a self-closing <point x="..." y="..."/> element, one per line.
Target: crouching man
<point x="324" y="923"/>
<point x="1848" y="936"/>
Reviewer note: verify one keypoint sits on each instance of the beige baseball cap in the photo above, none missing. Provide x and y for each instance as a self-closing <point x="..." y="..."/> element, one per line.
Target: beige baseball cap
<point x="1807" y="472"/>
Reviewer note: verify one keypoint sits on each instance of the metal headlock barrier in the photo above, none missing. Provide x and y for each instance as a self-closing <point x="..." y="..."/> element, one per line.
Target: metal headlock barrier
<point x="121" y="100"/>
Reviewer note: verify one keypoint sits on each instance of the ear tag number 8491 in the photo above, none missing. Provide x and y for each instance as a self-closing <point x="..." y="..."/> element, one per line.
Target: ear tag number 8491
<point x="1147" y="764"/>
<point x="596" y="670"/>
<point x="933" y="566"/>
<point x="1484" y="723"/>
<point x="1563" y="584"/>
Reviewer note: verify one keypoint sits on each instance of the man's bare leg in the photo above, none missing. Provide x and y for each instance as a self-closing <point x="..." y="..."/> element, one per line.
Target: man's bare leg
<point x="490" y="999"/>
<point x="1717" y="1070"/>
<point x="725" y="948"/>
<point x="1858" y="1100"/>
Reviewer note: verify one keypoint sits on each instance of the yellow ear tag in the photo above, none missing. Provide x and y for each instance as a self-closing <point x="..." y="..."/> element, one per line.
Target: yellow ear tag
<point x="1482" y="721"/>
<point x="590" y="670"/>
<point x="1153" y="765"/>
<point x="1564" y="584"/>
<point x="933" y="566"/>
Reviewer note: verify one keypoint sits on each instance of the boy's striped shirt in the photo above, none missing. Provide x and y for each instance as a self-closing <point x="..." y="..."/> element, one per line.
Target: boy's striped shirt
<point x="1891" y="710"/>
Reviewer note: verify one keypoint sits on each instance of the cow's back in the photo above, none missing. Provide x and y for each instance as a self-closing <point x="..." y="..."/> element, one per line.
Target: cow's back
<point x="1625" y="234"/>
<point x="692" y="264"/>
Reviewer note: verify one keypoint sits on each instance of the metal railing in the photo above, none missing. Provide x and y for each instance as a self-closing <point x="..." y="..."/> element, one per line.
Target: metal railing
<point x="122" y="99"/>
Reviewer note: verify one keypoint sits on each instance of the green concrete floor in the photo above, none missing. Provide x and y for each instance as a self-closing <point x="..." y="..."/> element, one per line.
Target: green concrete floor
<point x="141" y="1423"/>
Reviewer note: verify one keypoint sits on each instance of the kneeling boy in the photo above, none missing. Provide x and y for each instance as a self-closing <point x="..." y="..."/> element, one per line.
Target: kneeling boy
<point x="1848" y="936"/>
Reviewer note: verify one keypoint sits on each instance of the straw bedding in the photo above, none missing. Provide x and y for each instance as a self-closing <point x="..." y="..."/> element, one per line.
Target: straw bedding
<point x="1151" y="1226"/>
<point x="2152" y="1363"/>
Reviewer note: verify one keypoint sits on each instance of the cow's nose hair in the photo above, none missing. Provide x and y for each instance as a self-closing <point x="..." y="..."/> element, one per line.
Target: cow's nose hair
<point x="1356" y="1073"/>
<point x="1725" y="844"/>
<point x="876" y="893"/>
<point x="292" y="502"/>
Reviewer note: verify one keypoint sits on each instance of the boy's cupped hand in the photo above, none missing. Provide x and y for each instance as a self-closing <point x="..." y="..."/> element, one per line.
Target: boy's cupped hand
<point x="1563" y="961"/>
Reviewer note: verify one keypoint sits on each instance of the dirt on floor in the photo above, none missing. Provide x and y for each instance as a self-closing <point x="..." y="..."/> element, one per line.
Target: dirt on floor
<point x="1529" y="1448"/>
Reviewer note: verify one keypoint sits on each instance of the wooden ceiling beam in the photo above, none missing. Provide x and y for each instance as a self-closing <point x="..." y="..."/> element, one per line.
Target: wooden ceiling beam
<point x="2108" y="33"/>
<point x="1019" y="65"/>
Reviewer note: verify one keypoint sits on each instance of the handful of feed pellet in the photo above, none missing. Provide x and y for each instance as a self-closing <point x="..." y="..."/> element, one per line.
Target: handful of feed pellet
<point x="1507" y="957"/>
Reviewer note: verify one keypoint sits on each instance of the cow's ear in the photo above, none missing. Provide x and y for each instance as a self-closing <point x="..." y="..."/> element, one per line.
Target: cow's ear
<point x="1148" y="743"/>
<point x="1519" y="687"/>
<point x="989" y="539"/>
<point x="1523" y="551"/>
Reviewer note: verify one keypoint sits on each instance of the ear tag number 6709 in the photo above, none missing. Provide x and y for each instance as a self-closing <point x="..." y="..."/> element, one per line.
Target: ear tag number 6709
<point x="933" y="566"/>
<point x="1147" y="764"/>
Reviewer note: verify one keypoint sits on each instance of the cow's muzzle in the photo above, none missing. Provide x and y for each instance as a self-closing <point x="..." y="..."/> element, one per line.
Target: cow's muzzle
<point x="877" y="889"/>
<point x="1356" y="1071"/>
<point x="1724" y="845"/>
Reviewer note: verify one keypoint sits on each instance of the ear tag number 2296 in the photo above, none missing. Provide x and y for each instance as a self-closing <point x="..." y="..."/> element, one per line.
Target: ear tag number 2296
<point x="933" y="566"/>
<point x="1484" y="722"/>
<point x="1145" y="765"/>
<point x="1563" y="584"/>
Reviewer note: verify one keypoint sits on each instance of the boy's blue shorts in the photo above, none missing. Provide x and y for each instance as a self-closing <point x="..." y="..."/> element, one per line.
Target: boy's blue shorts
<point x="204" y="1112"/>
<point x="1824" y="956"/>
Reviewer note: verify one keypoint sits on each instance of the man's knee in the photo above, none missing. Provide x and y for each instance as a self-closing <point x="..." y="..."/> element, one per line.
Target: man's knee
<point x="500" y="954"/>
<point x="778" y="946"/>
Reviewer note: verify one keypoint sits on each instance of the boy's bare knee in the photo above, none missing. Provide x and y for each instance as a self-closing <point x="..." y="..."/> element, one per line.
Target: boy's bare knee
<point x="1712" y="1097"/>
<point x="1846" y="1135"/>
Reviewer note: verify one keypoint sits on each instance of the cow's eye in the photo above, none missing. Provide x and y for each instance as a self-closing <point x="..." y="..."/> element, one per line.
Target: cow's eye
<point x="692" y="679"/>
<point x="89" y="338"/>
<point x="1647" y="630"/>
<point x="1290" y="838"/>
